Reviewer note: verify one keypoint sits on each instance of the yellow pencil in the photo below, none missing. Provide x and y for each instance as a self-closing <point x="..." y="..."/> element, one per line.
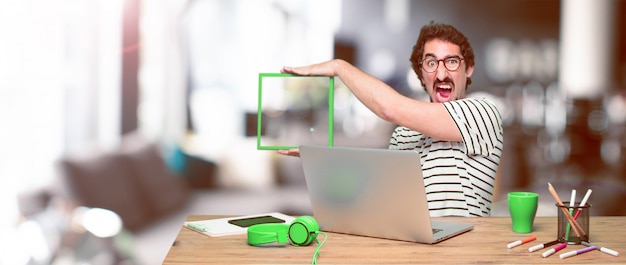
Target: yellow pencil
<point x="575" y="225"/>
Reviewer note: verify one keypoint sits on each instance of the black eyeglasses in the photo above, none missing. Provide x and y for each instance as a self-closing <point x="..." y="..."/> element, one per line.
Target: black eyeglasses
<point x="430" y="64"/>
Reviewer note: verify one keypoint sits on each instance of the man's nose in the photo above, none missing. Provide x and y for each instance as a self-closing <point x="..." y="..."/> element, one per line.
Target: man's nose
<point x="442" y="71"/>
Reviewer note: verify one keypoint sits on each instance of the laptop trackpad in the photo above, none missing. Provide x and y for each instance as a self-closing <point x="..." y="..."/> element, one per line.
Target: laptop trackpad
<point x="443" y="230"/>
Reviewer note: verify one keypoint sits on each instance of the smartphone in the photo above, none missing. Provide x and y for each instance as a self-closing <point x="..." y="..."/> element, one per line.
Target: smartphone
<point x="247" y="222"/>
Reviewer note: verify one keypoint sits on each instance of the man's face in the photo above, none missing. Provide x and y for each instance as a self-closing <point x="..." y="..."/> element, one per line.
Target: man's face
<point x="444" y="85"/>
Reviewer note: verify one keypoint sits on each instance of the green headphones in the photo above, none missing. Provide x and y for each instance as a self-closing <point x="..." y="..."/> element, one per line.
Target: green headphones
<point x="301" y="232"/>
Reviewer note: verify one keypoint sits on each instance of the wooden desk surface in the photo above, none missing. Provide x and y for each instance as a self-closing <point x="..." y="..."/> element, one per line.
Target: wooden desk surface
<point x="485" y="244"/>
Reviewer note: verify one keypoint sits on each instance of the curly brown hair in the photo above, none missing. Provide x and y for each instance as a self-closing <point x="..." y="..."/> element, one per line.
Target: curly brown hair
<point x="443" y="32"/>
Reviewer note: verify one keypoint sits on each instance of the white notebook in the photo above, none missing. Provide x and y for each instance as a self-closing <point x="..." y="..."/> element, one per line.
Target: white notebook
<point x="235" y="225"/>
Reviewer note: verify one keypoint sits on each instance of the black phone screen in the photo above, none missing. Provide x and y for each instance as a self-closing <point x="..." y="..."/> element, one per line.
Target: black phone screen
<point x="247" y="222"/>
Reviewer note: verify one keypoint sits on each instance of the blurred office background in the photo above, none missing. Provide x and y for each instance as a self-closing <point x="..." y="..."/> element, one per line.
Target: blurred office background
<point x="81" y="80"/>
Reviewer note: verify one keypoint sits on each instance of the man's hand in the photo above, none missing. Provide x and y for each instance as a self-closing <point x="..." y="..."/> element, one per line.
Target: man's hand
<point x="328" y="68"/>
<point x="290" y="152"/>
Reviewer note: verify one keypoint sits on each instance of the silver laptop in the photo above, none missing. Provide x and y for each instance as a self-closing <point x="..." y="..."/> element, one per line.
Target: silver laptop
<point x="372" y="192"/>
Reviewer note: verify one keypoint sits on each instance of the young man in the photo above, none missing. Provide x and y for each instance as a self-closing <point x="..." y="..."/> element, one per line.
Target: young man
<point x="459" y="139"/>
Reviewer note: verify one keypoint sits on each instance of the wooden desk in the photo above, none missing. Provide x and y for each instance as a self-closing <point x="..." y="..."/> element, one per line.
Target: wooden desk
<point x="485" y="244"/>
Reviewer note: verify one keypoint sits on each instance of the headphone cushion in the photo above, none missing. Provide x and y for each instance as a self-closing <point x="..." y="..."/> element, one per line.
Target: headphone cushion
<point x="303" y="230"/>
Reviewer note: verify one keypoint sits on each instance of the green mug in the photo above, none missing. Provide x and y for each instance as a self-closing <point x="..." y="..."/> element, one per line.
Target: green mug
<point x="523" y="207"/>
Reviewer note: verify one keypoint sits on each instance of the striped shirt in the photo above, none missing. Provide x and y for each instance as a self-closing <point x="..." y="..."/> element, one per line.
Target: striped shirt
<point x="459" y="176"/>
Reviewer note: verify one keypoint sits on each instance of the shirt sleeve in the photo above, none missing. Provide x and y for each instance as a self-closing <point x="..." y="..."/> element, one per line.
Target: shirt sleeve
<point x="479" y="123"/>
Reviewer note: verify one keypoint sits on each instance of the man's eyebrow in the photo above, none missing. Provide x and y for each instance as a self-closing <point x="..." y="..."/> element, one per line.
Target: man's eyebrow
<point x="447" y="56"/>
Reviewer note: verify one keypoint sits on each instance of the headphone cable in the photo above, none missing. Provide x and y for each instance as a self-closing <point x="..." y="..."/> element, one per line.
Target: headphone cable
<point x="317" y="250"/>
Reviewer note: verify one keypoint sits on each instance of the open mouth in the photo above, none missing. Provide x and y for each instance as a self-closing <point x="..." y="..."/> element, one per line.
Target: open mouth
<point x="443" y="92"/>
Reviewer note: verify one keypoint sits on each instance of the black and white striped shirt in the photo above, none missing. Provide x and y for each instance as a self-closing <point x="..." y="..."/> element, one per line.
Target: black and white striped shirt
<point x="459" y="176"/>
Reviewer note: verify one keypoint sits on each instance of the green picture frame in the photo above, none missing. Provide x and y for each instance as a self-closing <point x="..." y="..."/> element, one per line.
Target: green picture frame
<point x="331" y="93"/>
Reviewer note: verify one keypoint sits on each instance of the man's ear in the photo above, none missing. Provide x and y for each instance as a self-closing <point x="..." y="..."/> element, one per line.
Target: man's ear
<point x="469" y="71"/>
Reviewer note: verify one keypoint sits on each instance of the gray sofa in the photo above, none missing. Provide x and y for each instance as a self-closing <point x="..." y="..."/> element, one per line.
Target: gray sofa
<point x="151" y="199"/>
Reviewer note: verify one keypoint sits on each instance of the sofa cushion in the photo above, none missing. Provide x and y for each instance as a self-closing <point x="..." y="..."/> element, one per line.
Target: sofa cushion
<point x="104" y="181"/>
<point x="133" y="181"/>
<point x="163" y="190"/>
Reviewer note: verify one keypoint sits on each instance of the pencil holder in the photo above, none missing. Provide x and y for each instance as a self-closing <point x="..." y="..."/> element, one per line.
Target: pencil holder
<point x="573" y="223"/>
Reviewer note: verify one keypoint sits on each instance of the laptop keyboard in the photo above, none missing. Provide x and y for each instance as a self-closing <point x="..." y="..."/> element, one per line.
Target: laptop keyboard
<point x="435" y="230"/>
